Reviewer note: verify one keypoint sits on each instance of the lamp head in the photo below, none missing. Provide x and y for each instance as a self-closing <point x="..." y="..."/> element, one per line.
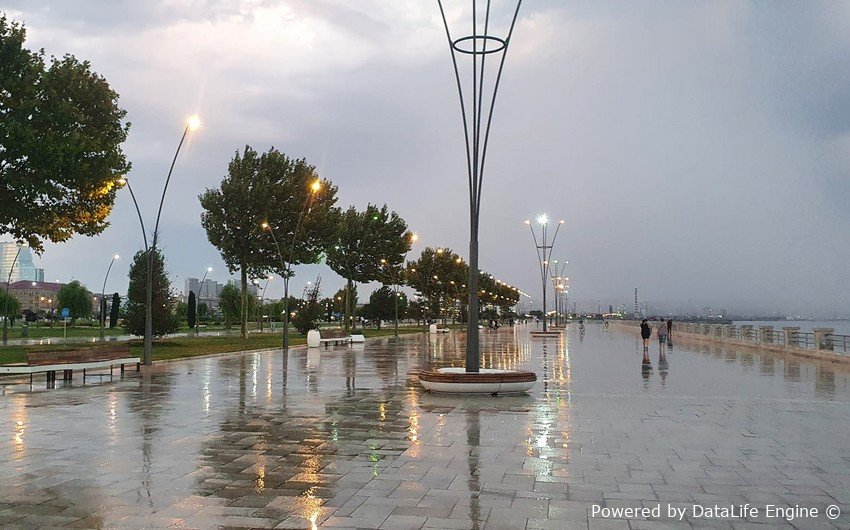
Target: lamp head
<point x="542" y="219"/>
<point x="209" y="269"/>
<point x="264" y="225"/>
<point x="413" y="237"/>
<point x="193" y="122"/>
<point x="561" y="222"/>
<point x="116" y="256"/>
<point x="316" y="186"/>
<point x="121" y="181"/>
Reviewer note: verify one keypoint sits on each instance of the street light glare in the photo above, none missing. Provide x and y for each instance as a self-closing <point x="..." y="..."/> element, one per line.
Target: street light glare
<point x="316" y="186"/>
<point x="265" y="225"/>
<point x="116" y="256"/>
<point x="209" y="269"/>
<point x="413" y="237"/>
<point x="528" y="222"/>
<point x="542" y="219"/>
<point x="193" y="123"/>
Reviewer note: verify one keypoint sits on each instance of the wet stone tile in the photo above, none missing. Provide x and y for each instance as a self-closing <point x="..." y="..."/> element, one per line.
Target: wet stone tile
<point x="345" y="437"/>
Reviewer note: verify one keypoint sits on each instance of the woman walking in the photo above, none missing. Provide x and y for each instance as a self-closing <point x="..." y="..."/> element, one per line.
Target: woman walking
<point x="645" y="333"/>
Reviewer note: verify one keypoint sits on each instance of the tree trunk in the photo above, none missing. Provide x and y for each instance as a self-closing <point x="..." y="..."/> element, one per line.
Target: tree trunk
<point x="243" y="314"/>
<point x="349" y="324"/>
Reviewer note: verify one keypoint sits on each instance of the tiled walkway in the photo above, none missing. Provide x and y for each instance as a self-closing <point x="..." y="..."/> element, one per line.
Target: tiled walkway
<point x="346" y="438"/>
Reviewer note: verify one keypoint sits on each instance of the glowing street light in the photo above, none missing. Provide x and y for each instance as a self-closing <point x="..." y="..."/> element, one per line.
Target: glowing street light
<point x="544" y="254"/>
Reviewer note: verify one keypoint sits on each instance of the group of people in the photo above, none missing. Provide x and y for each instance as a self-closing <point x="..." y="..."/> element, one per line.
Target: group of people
<point x="664" y="331"/>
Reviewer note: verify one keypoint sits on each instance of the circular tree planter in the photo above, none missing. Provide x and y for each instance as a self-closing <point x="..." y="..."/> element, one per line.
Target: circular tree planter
<point x="487" y="381"/>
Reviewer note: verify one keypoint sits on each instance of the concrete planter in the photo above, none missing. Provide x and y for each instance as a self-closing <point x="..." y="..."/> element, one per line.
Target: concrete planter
<point x="487" y="381"/>
<point x="314" y="338"/>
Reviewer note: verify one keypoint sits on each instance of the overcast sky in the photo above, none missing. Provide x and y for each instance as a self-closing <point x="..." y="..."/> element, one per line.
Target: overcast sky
<point x="698" y="151"/>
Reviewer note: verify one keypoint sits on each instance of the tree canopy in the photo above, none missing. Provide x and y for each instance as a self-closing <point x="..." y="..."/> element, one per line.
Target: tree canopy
<point x="164" y="320"/>
<point x="270" y="190"/>
<point x="61" y="132"/>
<point x="365" y="244"/>
<point x="76" y="298"/>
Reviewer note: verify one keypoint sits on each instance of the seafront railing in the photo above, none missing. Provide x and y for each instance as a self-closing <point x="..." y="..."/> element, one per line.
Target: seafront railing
<point x="819" y="339"/>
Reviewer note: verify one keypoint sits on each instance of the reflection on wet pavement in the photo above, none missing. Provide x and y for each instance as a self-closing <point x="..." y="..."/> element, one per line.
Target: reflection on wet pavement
<point x="345" y="437"/>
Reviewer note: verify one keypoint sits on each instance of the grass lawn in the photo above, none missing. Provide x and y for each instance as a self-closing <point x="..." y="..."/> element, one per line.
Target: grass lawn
<point x="185" y="347"/>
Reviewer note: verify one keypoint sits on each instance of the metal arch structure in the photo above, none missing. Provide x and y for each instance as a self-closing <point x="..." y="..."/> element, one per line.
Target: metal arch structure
<point x="544" y="254"/>
<point x="476" y="128"/>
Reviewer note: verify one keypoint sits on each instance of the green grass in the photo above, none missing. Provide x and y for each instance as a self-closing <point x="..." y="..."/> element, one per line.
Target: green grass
<point x="186" y="347"/>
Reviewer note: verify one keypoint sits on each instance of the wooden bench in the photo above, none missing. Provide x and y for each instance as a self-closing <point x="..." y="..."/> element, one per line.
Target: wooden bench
<point x="334" y="336"/>
<point x="67" y="361"/>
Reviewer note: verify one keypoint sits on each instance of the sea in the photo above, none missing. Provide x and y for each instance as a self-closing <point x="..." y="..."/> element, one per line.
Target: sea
<point x="842" y="327"/>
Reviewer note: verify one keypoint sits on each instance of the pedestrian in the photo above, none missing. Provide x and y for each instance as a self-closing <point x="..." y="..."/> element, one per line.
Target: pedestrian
<point x="645" y="333"/>
<point x="670" y="328"/>
<point x="662" y="333"/>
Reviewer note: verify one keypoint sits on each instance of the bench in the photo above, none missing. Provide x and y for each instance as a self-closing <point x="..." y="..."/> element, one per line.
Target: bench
<point x="334" y="336"/>
<point x="67" y="361"/>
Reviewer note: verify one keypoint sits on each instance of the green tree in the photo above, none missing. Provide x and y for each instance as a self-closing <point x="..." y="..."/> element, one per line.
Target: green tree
<point x="382" y="305"/>
<point x="365" y="244"/>
<point x="439" y="276"/>
<point x="77" y="299"/>
<point x="311" y="310"/>
<point x="10" y="307"/>
<point x="230" y="304"/>
<point x="114" y="310"/>
<point x="61" y="132"/>
<point x="181" y="312"/>
<point x="164" y="320"/>
<point x="191" y="310"/>
<point x="273" y="189"/>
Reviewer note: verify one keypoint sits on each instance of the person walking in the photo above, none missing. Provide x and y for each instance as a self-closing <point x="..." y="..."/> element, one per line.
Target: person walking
<point x="661" y="330"/>
<point x="670" y="328"/>
<point x="645" y="333"/>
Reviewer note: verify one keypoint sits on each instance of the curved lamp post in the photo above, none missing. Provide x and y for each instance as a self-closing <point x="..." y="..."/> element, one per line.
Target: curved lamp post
<point x="478" y="46"/>
<point x="6" y="300"/>
<point x="544" y="253"/>
<point x="103" y="296"/>
<point x="315" y="188"/>
<point x="192" y="124"/>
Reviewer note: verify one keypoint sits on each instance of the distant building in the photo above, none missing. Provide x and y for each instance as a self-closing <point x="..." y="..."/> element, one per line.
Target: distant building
<point x="24" y="268"/>
<point x="35" y="296"/>
<point x="208" y="292"/>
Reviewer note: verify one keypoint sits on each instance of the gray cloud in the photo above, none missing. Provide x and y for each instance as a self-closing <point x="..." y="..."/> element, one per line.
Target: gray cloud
<point x="697" y="151"/>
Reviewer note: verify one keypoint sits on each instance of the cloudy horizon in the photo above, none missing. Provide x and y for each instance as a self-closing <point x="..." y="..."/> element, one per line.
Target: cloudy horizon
<point x="697" y="151"/>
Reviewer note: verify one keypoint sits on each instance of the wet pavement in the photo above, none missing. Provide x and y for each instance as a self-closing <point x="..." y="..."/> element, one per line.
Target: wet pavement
<point x="345" y="437"/>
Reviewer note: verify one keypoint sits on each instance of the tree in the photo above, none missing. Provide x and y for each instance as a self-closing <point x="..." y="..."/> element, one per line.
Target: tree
<point x="61" y="132"/>
<point x="382" y="305"/>
<point x="274" y="189"/>
<point x="191" y="310"/>
<point x="311" y="310"/>
<point x="438" y="275"/>
<point x="230" y="304"/>
<point x="365" y="244"/>
<point x="114" y="310"/>
<point x="77" y="299"/>
<point x="163" y="318"/>
<point x="10" y="307"/>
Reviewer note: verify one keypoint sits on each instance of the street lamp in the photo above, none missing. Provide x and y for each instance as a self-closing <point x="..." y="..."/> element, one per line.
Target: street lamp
<point x="6" y="300"/>
<point x="103" y="296"/>
<point x="192" y="124"/>
<point x="544" y="253"/>
<point x="315" y="188"/>
<point x="477" y="107"/>
<point x="556" y="274"/>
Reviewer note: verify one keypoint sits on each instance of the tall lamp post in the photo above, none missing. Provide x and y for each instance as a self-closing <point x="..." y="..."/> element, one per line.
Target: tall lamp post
<point x="6" y="300"/>
<point x="191" y="124"/>
<point x="476" y="127"/>
<point x="558" y="285"/>
<point x="262" y="299"/>
<point x="103" y="297"/>
<point x="544" y="253"/>
<point x="315" y="187"/>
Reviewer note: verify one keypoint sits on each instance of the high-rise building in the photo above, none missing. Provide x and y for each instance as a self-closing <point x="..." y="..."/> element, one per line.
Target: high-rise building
<point x="24" y="269"/>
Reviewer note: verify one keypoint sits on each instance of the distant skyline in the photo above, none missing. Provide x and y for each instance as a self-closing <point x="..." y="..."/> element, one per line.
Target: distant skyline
<point x="698" y="151"/>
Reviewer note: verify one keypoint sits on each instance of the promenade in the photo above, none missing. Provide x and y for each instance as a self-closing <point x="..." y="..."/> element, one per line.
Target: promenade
<point x="345" y="437"/>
